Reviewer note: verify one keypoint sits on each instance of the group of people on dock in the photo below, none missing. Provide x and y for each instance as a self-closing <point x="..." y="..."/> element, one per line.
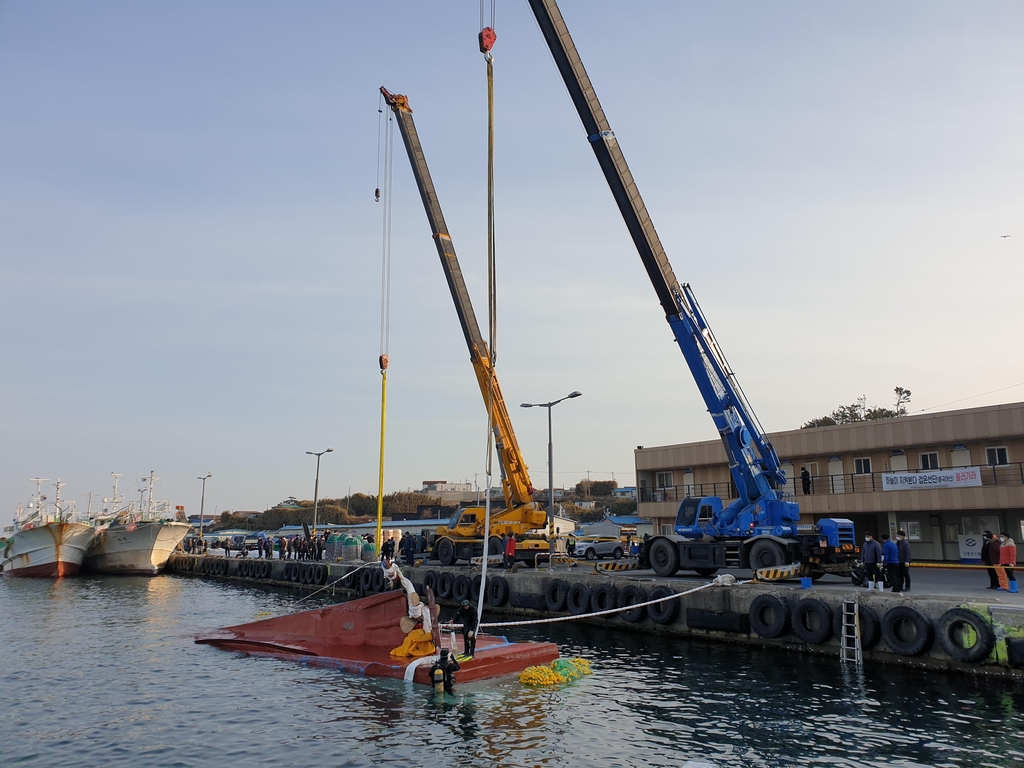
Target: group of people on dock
<point x="892" y="555"/>
<point x="999" y="550"/>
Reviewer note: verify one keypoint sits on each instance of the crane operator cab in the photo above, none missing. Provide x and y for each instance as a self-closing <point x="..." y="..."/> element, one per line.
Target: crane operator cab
<point x="696" y="515"/>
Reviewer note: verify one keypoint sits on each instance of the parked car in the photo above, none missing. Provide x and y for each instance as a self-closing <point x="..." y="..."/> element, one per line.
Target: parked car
<point x="598" y="547"/>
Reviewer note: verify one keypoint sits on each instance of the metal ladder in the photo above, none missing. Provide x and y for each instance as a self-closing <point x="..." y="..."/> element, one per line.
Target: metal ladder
<point x="849" y="643"/>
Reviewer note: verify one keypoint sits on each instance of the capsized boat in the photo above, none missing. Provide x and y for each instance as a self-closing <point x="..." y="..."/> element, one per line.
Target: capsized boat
<point x="133" y="541"/>
<point x="45" y="545"/>
<point x="358" y="637"/>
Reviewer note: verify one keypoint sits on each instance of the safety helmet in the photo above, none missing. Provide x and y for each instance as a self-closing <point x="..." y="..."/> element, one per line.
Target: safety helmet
<point x="444" y="653"/>
<point x="465" y="603"/>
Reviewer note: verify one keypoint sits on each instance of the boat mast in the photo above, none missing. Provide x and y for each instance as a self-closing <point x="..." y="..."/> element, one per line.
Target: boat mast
<point x="58" y="516"/>
<point x="149" y="511"/>
<point x="38" y="505"/>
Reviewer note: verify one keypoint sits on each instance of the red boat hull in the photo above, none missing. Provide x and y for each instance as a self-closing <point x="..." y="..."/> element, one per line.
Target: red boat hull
<point x="55" y="570"/>
<point x="358" y="637"/>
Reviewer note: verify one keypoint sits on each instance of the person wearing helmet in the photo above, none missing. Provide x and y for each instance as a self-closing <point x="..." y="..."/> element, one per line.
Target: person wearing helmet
<point x="467" y="615"/>
<point x="442" y="673"/>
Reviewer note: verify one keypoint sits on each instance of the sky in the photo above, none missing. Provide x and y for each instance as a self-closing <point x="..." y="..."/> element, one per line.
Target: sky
<point x="190" y="250"/>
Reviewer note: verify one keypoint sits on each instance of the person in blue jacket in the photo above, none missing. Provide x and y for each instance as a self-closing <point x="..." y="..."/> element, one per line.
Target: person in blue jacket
<point x="891" y="558"/>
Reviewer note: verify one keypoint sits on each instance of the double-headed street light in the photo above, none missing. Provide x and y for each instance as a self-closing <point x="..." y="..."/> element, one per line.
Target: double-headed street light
<point x="316" y="488"/>
<point x="202" y="508"/>
<point x="551" y="471"/>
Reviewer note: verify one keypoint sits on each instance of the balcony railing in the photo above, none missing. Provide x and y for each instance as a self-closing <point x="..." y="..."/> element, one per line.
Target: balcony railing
<point x="825" y="485"/>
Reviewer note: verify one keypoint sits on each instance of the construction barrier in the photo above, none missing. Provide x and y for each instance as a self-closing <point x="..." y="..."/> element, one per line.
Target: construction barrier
<point x="617" y="566"/>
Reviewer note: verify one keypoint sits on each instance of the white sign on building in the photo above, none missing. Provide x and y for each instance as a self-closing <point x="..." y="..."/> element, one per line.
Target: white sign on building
<point x="964" y="477"/>
<point x="970" y="549"/>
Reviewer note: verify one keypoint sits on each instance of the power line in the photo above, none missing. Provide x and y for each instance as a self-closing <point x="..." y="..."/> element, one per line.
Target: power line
<point x="971" y="397"/>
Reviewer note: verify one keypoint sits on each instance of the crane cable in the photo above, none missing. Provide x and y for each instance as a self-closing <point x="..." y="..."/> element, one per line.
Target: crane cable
<point x="487" y="38"/>
<point x="385" y="132"/>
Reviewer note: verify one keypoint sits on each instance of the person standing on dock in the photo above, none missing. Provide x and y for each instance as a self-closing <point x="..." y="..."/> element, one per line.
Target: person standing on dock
<point x="1007" y="557"/>
<point x="510" y="550"/>
<point x="805" y="478"/>
<point x="990" y="556"/>
<point x="872" y="558"/>
<point x="891" y="558"/>
<point x="903" y="546"/>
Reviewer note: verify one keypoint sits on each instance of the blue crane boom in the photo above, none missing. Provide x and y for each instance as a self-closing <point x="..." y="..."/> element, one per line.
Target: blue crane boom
<point x="759" y="509"/>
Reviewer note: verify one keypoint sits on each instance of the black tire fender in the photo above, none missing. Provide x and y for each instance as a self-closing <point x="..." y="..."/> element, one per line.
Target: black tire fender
<point x="666" y="611"/>
<point x="474" y="589"/>
<point x="295" y="574"/>
<point x="605" y="597"/>
<point x="870" y="632"/>
<point x="366" y="580"/>
<point x="268" y="567"/>
<point x="555" y="595"/>
<point x="577" y="599"/>
<point x="497" y="591"/>
<point x="378" y="580"/>
<point x="461" y="588"/>
<point x="812" y="621"/>
<point x="950" y="630"/>
<point x="893" y="624"/>
<point x="761" y="608"/>
<point x="628" y="596"/>
<point x="445" y="581"/>
<point x="320" y="574"/>
<point x="430" y="581"/>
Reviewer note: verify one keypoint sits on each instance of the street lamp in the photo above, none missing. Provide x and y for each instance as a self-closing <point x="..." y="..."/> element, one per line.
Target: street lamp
<point x="316" y="488"/>
<point x="202" y="507"/>
<point x="551" y="472"/>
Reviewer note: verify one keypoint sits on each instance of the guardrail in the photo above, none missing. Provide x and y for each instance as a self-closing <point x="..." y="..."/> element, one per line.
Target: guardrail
<point x="825" y="485"/>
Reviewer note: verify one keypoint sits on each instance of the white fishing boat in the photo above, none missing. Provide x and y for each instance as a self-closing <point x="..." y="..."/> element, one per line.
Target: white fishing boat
<point x="132" y="541"/>
<point x="46" y="545"/>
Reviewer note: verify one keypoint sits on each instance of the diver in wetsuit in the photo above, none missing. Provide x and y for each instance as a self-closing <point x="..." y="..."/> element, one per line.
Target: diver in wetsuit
<point x="443" y="672"/>
<point x="467" y="615"/>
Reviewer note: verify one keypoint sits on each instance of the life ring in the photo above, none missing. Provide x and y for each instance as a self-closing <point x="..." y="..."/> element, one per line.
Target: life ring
<point x="497" y="591"/>
<point x="460" y="589"/>
<point x="812" y="621"/>
<point x="605" y="597"/>
<point x="895" y="625"/>
<point x="444" y="585"/>
<point x="769" y="616"/>
<point x="319" y="574"/>
<point x="870" y="633"/>
<point x="430" y="581"/>
<point x="952" y="629"/>
<point x="378" y="580"/>
<point x="366" y="580"/>
<point x="666" y="611"/>
<point x="577" y="599"/>
<point x="474" y="588"/>
<point x="555" y="595"/>
<point x="629" y="595"/>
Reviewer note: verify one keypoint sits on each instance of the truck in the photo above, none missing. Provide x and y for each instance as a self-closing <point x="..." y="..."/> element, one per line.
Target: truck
<point x="463" y="536"/>
<point x="761" y="527"/>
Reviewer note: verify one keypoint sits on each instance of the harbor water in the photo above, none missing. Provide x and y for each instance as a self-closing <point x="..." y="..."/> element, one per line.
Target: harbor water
<point x="102" y="671"/>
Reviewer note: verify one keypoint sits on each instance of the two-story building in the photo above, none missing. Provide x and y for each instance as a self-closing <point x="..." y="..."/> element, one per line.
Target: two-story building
<point x="943" y="477"/>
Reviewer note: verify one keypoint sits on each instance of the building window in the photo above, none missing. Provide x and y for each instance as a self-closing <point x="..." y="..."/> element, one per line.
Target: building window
<point x="913" y="529"/>
<point x="666" y="530"/>
<point x="996" y="456"/>
<point x="862" y="466"/>
<point x="929" y="460"/>
<point x="664" y="480"/>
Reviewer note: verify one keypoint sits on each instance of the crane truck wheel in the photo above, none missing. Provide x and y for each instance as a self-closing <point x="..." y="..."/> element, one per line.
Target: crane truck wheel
<point x="664" y="557"/>
<point x="965" y="635"/>
<point x="869" y="630"/>
<point x="769" y="616"/>
<point x="812" y="621"/>
<point x="445" y="549"/>
<point x="494" y="546"/>
<point x="705" y="571"/>
<point x="629" y="596"/>
<point x="577" y="599"/>
<point x="907" y="631"/>
<point x="555" y="595"/>
<point x="497" y="591"/>
<point x="445" y="582"/>
<point x="766" y="554"/>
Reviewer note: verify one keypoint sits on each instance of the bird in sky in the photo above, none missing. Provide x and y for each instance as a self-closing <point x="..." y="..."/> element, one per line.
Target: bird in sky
<point x="1004" y="235"/>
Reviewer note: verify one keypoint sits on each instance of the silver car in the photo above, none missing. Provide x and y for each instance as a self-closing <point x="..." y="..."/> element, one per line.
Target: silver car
<point x="595" y="548"/>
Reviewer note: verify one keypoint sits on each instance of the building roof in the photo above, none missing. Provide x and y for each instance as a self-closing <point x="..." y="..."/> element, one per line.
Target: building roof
<point x="628" y="519"/>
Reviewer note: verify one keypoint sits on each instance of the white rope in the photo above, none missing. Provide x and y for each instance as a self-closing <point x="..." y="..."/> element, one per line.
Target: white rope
<point x="552" y="620"/>
<point x="336" y="581"/>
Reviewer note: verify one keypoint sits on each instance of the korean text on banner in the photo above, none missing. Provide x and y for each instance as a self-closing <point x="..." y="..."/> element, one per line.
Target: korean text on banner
<point x="964" y="477"/>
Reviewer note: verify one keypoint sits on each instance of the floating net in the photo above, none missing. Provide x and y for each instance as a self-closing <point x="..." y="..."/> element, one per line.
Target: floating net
<point x="558" y="672"/>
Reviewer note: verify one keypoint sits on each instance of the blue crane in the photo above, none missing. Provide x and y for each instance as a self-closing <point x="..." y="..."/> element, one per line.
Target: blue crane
<point x="760" y="528"/>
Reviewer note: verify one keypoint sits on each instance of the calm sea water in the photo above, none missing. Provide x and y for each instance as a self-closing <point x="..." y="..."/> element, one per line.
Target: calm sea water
<point x="102" y="671"/>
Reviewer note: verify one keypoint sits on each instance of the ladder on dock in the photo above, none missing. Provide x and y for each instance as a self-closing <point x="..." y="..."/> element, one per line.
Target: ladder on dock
<point x="849" y="643"/>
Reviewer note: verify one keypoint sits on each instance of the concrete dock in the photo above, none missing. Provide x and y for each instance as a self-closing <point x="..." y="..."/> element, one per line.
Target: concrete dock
<point x="949" y="621"/>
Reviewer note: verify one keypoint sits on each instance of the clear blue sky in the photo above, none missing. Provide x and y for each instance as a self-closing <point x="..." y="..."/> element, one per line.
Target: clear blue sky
<point x="189" y="246"/>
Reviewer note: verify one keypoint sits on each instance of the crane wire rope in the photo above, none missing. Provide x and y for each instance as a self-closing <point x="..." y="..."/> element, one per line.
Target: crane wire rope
<point x="385" y="134"/>
<point x="486" y="39"/>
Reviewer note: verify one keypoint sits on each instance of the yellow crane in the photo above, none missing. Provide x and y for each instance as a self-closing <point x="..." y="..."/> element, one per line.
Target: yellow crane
<point x="463" y="537"/>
